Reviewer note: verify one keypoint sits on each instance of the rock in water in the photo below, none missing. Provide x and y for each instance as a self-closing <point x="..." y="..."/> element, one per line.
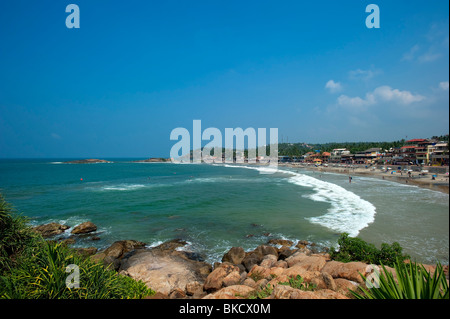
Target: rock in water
<point x="84" y="228"/>
<point x="235" y="255"/>
<point x="51" y="229"/>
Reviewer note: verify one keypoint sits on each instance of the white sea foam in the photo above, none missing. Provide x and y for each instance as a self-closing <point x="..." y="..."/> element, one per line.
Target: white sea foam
<point x="122" y="187"/>
<point x="348" y="212"/>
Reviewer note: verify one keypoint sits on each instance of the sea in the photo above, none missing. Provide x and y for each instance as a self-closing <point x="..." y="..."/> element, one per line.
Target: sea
<point x="214" y="207"/>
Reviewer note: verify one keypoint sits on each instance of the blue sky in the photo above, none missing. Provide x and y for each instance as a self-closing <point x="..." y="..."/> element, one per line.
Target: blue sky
<point x="135" y="70"/>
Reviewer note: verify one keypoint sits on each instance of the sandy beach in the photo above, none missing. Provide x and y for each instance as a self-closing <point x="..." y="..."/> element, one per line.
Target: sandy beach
<point x="440" y="183"/>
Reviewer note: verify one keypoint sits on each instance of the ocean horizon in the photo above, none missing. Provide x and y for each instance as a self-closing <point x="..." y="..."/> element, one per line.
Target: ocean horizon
<point x="215" y="207"/>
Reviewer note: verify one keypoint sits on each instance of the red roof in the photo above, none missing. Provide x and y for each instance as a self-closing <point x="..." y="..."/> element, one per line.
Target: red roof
<point x="416" y="140"/>
<point x="409" y="146"/>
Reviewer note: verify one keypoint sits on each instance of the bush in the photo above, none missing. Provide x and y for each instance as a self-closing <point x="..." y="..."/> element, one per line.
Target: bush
<point x="32" y="268"/>
<point x="356" y="249"/>
<point x="412" y="281"/>
<point x="298" y="283"/>
<point x="15" y="236"/>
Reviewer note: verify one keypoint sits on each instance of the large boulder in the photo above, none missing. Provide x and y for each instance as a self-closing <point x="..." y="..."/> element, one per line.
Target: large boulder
<point x="235" y="255"/>
<point x="251" y="259"/>
<point x="280" y="242"/>
<point x="350" y="271"/>
<point x="225" y="275"/>
<point x="232" y="292"/>
<point x="311" y="263"/>
<point x="50" y="229"/>
<point x="115" y="252"/>
<point x="165" y="270"/>
<point x="84" y="228"/>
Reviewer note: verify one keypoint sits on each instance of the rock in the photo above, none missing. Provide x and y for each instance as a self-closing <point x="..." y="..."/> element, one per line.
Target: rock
<point x="281" y="264"/>
<point x="113" y="254"/>
<point x="295" y="271"/>
<point x="348" y="271"/>
<point x="87" y="161"/>
<point x="264" y="250"/>
<point x="343" y="286"/>
<point x="268" y="261"/>
<point x="51" y="229"/>
<point x="194" y="288"/>
<point x="249" y="282"/>
<point x="215" y="279"/>
<point x="232" y="292"/>
<point x="311" y="263"/>
<point x="261" y="284"/>
<point x="84" y="228"/>
<point x="86" y="251"/>
<point x="171" y="245"/>
<point x="302" y="243"/>
<point x="329" y="294"/>
<point x="287" y="292"/>
<point x="234" y="278"/>
<point x="250" y="260"/>
<point x="281" y="242"/>
<point x="296" y="258"/>
<point x="95" y="238"/>
<point x="68" y="241"/>
<point x="258" y="272"/>
<point x="177" y="293"/>
<point x="284" y="252"/>
<point x="157" y="295"/>
<point x="235" y="255"/>
<point x="329" y="281"/>
<point x="163" y="270"/>
<point x="276" y="272"/>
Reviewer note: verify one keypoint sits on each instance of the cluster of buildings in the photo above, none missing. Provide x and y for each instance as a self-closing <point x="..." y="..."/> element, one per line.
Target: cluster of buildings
<point x="426" y="152"/>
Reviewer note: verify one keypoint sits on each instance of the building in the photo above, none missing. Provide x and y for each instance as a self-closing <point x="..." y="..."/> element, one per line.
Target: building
<point x="439" y="155"/>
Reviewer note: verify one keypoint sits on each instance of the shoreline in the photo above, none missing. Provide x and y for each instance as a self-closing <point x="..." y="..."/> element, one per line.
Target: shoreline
<point x="441" y="183"/>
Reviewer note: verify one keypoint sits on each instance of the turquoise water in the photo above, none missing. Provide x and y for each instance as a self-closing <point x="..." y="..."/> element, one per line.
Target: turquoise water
<point x="215" y="207"/>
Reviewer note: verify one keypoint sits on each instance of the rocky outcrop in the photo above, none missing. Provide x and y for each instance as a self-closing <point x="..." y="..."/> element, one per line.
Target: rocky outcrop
<point x="113" y="254"/>
<point x="51" y="229"/>
<point x="87" y="161"/>
<point x="84" y="228"/>
<point x="235" y="255"/>
<point x="153" y="160"/>
<point x="264" y="272"/>
<point x="166" y="270"/>
<point x="225" y="275"/>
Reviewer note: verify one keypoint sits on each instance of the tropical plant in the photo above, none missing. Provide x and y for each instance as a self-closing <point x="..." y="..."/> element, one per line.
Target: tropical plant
<point x="356" y="249"/>
<point x="32" y="268"/>
<point x="412" y="281"/>
<point x="298" y="283"/>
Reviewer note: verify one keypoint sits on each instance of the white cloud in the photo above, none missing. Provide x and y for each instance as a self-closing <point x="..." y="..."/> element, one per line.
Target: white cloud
<point x="380" y="94"/>
<point x="410" y="55"/>
<point x="443" y="86"/>
<point x="364" y="75"/>
<point x="386" y="93"/>
<point x="333" y="87"/>
<point x="429" y="56"/>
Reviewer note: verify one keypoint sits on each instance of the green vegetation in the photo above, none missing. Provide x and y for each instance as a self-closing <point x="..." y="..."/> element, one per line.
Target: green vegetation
<point x="298" y="283"/>
<point x="262" y="293"/>
<point x="355" y="249"/>
<point x="32" y="268"/>
<point x="412" y="281"/>
<point x="299" y="149"/>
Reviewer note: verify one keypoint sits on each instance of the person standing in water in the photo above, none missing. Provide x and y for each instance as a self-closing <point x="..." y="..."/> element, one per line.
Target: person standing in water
<point x="350" y="179"/>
